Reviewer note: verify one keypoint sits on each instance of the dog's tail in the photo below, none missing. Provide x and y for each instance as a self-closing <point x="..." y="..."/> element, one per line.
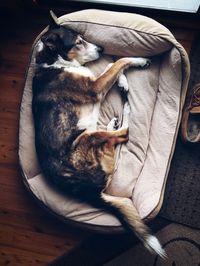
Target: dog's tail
<point x="131" y="218"/>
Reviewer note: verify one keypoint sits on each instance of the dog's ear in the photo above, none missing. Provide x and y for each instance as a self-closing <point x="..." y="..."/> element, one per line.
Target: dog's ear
<point x="50" y="40"/>
<point x="53" y="20"/>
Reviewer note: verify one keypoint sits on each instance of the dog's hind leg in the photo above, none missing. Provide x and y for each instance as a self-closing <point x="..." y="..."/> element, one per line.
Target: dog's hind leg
<point x="111" y="137"/>
<point x="126" y="113"/>
<point x="114" y="123"/>
<point x="98" y="138"/>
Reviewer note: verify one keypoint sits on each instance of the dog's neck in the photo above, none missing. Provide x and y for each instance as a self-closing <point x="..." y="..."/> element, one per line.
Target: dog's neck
<point x="65" y="63"/>
<point x="61" y="63"/>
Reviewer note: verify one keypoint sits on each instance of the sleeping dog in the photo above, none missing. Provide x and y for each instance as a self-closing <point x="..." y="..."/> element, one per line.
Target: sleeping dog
<point x="66" y="102"/>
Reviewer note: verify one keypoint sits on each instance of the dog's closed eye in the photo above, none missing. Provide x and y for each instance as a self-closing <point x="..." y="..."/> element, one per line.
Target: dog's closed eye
<point x="79" y="42"/>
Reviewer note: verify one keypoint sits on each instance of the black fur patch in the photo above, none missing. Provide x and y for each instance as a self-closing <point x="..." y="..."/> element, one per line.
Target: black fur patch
<point x="56" y="42"/>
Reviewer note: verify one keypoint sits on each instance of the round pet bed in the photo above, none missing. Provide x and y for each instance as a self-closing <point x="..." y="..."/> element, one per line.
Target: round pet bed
<point x="156" y="95"/>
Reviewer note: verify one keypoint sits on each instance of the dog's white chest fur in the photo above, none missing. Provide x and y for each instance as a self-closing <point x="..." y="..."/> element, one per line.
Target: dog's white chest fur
<point x="83" y="71"/>
<point x="89" y="114"/>
<point x="71" y="67"/>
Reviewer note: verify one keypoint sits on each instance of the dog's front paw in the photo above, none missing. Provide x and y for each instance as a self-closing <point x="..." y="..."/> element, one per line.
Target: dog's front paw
<point x="123" y="83"/>
<point x="127" y="108"/>
<point x="113" y="124"/>
<point x="126" y="113"/>
<point x="140" y="62"/>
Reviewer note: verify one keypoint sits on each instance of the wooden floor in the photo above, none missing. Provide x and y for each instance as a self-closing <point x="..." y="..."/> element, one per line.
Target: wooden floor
<point x="28" y="235"/>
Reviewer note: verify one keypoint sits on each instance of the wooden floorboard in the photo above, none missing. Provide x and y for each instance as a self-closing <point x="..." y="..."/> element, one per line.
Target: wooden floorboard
<point x="28" y="235"/>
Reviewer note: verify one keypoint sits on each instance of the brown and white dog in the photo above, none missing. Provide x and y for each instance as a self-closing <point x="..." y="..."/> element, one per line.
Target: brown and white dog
<point x="66" y="102"/>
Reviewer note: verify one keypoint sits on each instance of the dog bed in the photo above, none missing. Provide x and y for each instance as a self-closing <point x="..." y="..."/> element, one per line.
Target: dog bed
<point x="156" y="96"/>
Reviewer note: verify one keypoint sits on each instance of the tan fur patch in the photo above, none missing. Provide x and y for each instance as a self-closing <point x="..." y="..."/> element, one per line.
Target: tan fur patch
<point x="72" y="54"/>
<point x="97" y="148"/>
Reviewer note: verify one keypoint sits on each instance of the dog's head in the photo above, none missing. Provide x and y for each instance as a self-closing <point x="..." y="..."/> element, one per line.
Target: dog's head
<point x="61" y="41"/>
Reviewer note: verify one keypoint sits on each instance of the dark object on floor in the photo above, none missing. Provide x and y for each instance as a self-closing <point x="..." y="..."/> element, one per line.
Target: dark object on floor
<point x="96" y="250"/>
<point x="99" y="249"/>
<point x="182" y="195"/>
<point x="181" y="243"/>
<point x="190" y="125"/>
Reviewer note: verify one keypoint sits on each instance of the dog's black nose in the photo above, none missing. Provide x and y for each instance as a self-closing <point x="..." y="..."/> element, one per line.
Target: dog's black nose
<point x="100" y="49"/>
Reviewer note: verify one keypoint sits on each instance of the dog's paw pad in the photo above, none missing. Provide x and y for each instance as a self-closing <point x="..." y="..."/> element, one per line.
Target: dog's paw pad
<point x="113" y="124"/>
<point x="141" y="62"/>
<point x="123" y="83"/>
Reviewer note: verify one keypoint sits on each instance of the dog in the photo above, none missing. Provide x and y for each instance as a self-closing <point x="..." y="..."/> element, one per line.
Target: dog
<point x="67" y="97"/>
